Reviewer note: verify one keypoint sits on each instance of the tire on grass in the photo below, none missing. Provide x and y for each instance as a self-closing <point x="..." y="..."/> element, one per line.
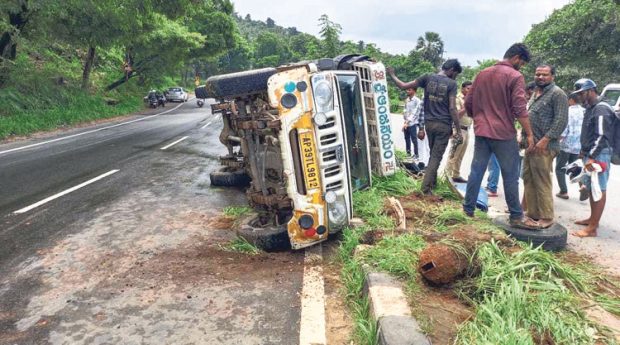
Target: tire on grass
<point x="552" y="238"/>
<point x="226" y="178"/>
<point x="266" y="237"/>
<point x="240" y="83"/>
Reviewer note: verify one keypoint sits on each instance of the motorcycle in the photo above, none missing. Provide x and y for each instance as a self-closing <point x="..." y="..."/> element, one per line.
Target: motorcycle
<point x="153" y="103"/>
<point x="200" y="102"/>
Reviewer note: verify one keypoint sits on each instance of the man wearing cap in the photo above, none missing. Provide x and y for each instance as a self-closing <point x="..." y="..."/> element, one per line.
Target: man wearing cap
<point x="548" y="110"/>
<point x="596" y="136"/>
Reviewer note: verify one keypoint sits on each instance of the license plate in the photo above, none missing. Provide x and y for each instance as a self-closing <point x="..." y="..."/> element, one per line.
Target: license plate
<point x="311" y="168"/>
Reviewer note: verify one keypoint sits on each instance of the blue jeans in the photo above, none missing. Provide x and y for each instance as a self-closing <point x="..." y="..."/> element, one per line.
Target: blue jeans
<point x="507" y="154"/>
<point x="604" y="156"/>
<point x="493" y="178"/>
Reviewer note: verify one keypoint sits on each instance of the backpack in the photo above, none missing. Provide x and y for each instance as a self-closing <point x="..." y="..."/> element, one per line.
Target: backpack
<point x="614" y="141"/>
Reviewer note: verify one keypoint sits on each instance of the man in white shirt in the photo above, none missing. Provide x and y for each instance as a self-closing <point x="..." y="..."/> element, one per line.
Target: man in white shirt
<point x="413" y="118"/>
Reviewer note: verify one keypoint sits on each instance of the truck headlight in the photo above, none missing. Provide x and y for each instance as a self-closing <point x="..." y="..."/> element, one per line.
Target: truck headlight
<point x="323" y="96"/>
<point x="337" y="212"/>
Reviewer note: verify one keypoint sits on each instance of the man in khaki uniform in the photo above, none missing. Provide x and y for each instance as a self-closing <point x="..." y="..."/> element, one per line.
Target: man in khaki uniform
<point x="457" y="152"/>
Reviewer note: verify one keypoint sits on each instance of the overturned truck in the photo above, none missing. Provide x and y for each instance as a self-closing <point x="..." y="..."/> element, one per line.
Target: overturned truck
<point x="304" y="136"/>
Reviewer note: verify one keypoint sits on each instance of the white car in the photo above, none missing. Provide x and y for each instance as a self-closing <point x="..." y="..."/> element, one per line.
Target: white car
<point x="611" y="95"/>
<point x="176" y="94"/>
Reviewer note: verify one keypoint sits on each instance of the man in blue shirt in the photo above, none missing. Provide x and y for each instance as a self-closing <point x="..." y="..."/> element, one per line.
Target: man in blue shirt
<point x="570" y="144"/>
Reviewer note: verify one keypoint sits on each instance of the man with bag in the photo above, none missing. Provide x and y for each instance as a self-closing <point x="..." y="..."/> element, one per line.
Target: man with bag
<point x="596" y="149"/>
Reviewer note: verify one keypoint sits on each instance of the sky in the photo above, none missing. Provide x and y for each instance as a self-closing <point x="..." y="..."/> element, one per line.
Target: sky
<point x="472" y="30"/>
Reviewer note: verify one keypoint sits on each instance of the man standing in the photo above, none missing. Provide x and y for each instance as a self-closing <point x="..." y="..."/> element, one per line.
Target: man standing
<point x="596" y="136"/>
<point x="439" y="113"/>
<point x="457" y="151"/>
<point x="496" y="99"/>
<point x="570" y="144"/>
<point x="548" y="110"/>
<point x="413" y="117"/>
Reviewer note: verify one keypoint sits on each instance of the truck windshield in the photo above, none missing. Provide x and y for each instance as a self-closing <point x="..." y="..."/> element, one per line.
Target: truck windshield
<point x="357" y="144"/>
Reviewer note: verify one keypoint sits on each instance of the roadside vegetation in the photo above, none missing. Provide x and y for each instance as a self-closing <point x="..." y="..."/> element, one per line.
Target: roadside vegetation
<point x="511" y="292"/>
<point x="240" y="245"/>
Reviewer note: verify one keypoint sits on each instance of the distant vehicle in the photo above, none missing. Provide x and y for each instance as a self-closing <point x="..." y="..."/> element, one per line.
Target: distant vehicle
<point x="155" y="99"/>
<point x="611" y="95"/>
<point x="176" y="94"/>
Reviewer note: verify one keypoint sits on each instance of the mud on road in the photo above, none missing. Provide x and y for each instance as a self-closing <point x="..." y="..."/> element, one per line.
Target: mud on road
<point x="148" y="268"/>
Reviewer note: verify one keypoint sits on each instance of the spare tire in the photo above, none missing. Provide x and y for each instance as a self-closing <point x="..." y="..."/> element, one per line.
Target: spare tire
<point x="266" y="237"/>
<point x="552" y="238"/>
<point x="201" y="92"/>
<point x="225" y="178"/>
<point x="240" y="83"/>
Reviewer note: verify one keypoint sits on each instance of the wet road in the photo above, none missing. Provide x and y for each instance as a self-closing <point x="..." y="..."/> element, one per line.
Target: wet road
<point x="113" y="236"/>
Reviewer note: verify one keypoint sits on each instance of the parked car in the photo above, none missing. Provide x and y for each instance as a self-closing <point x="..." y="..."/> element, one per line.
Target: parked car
<point x="611" y="95"/>
<point x="176" y="94"/>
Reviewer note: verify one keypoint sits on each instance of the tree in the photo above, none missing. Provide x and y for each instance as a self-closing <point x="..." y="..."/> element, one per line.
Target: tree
<point x="270" y="50"/>
<point x="431" y="48"/>
<point x="581" y="40"/>
<point x="270" y="23"/>
<point x="330" y="32"/>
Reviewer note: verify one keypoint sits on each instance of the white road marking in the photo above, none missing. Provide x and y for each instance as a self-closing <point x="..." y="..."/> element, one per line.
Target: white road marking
<point x="87" y="132"/>
<point x="67" y="191"/>
<point x="174" y="143"/>
<point x="211" y="121"/>
<point x="312" y="323"/>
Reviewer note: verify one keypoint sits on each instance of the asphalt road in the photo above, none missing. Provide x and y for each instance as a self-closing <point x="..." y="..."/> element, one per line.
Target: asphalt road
<point x="127" y="249"/>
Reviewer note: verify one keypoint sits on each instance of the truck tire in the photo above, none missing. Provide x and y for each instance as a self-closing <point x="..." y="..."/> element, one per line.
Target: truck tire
<point x="240" y="83"/>
<point x="552" y="238"/>
<point x="226" y="178"/>
<point x="201" y="92"/>
<point x="266" y="237"/>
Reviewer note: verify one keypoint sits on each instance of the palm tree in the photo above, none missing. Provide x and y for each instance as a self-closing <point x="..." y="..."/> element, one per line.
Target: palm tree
<point x="430" y="47"/>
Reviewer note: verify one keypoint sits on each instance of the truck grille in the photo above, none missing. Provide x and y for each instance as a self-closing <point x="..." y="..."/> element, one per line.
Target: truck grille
<point x="331" y="146"/>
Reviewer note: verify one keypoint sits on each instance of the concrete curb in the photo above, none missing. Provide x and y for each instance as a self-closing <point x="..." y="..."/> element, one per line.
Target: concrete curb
<point x="389" y="308"/>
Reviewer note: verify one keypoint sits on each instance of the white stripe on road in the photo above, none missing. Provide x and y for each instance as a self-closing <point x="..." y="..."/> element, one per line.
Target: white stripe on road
<point x="312" y="323"/>
<point x="72" y="189"/>
<point x="174" y="143"/>
<point x="213" y="119"/>
<point x="87" y="132"/>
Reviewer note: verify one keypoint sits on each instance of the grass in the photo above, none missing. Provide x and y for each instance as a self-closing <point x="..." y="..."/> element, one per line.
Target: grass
<point x="240" y="245"/>
<point x="522" y="296"/>
<point x="365" y="328"/>
<point x="236" y="211"/>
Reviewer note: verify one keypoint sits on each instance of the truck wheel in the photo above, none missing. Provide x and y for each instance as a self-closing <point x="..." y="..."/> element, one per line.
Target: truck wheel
<point x="201" y="92"/>
<point x="552" y="239"/>
<point x="240" y="83"/>
<point x="266" y="237"/>
<point x="225" y="178"/>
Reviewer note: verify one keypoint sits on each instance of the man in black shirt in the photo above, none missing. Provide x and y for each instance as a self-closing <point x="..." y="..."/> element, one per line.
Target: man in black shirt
<point x="439" y="112"/>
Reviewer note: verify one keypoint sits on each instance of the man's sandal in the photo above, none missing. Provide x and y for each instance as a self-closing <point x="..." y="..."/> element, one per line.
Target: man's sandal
<point x="526" y="223"/>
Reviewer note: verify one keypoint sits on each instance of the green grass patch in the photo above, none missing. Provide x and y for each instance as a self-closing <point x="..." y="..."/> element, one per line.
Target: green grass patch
<point x="240" y="245"/>
<point x="368" y="205"/>
<point x="398" y="184"/>
<point x="365" y="328"/>
<point x="524" y="296"/>
<point x="236" y="211"/>
<point x="397" y="255"/>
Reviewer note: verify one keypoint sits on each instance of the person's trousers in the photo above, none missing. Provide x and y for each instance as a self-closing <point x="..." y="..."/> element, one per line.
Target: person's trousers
<point x="411" y="136"/>
<point x="494" y="170"/>
<point x="507" y="154"/>
<point x="454" y="164"/>
<point x="561" y="160"/>
<point x="439" y="134"/>
<point x="538" y="184"/>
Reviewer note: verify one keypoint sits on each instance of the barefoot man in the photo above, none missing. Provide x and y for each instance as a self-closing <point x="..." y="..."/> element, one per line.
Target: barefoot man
<point x="596" y="135"/>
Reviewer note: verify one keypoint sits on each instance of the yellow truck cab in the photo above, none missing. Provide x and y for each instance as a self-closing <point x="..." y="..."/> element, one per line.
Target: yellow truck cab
<point x="306" y="135"/>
